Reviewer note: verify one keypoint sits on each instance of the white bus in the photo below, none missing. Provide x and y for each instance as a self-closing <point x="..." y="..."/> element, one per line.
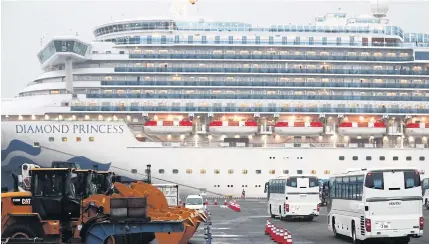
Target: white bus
<point x="425" y="192"/>
<point x="293" y="196"/>
<point x="377" y="203"/>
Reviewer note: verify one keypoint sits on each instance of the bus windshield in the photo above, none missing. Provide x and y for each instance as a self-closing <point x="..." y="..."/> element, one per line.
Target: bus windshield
<point x="302" y="182"/>
<point x="392" y="180"/>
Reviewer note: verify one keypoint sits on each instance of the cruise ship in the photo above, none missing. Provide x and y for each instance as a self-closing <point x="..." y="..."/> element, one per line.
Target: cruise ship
<point x="221" y="107"/>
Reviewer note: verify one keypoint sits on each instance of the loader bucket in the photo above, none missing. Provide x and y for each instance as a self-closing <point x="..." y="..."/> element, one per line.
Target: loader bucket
<point x="157" y="200"/>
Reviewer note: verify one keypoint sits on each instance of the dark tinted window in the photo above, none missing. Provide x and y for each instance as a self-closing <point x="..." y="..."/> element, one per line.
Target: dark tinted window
<point x="368" y="158"/>
<point x="374" y="180"/>
<point x="422" y="158"/>
<point x="355" y="158"/>
<point x="341" y="157"/>
<point x="395" y="158"/>
<point x="299" y="171"/>
<point x="411" y="179"/>
<point x="313" y="182"/>
<point x="382" y="158"/>
<point x="408" y="158"/>
<point x="291" y="182"/>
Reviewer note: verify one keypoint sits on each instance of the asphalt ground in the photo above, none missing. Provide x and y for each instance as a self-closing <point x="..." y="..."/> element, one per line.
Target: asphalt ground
<point x="248" y="226"/>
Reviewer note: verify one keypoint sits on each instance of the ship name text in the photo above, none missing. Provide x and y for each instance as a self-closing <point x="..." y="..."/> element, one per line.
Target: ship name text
<point x="75" y="129"/>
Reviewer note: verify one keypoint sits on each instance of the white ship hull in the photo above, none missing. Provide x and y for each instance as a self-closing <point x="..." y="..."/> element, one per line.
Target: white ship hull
<point x="115" y="148"/>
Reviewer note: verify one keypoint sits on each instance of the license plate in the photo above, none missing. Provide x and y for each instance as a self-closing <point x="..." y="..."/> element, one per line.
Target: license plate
<point x="383" y="225"/>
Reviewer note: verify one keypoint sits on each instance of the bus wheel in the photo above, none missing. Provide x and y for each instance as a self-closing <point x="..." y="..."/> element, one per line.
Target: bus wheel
<point x="354" y="237"/>
<point x="334" y="229"/>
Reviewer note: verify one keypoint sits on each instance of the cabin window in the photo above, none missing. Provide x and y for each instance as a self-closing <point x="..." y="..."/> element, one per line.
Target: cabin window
<point x="161" y="171"/>
<point x="368" y="158"/>
<point x="408" y="158"/>
<point x="272" y="172"/>
<point x="133" y="171"/>
<point x="203" y="171"/>
<point x="78" y="139"/>
<point x="341" y="158"/>
<point x="285" y="171"/>
<point x="355" y="158"/>
<point x="258" y="171"/>
<point x="299" y="171"/>
<point x="313" y="172"/>
<point x="395" y="158"/>
<point x="36" y="144"/>
<point x="216" y="171"/>
<point x="327" y="172"/>
<point x="51" y="139"/>
<point x="230" y="171"/>
<point x="421" y="158"/>
<point x="189" y="171"/>
<point x="382" y="158"/>
<point x="175" y="171"/>
<point x="64" y="139"/>
<point x="91" y="139"/>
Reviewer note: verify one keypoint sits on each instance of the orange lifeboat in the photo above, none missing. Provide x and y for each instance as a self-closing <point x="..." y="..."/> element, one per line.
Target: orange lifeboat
<point x="362" y="129"/>
<point x="417" y="129"/>
<point x="233" y="127"/>
<point x="299" y="128"/>
<point x="168" y="127"/>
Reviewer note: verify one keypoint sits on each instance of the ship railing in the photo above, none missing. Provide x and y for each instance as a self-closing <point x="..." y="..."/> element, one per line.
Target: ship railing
<point x="290" y="145"/>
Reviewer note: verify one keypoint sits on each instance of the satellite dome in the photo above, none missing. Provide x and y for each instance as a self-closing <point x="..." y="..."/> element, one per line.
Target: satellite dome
<point x="379" y="8"/>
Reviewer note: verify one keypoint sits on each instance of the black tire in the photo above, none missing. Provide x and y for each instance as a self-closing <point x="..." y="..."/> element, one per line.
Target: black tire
<point x="21" y="231"/>
<point x="271" y="213"/>
<point x="354" y="236"/>
<point x="334" y="229"/>
<point x="310" y="218"/>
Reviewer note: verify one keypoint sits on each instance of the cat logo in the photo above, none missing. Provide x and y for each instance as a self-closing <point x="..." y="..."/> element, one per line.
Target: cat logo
<point x="19" y="201"/>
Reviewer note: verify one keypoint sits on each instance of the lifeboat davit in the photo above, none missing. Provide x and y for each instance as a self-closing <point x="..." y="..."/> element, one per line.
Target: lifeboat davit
<point x="364" y="129"/>
<point x="299" y="128"/>
<point x="168" y="127"/>
<point x="233" y="127"/>
<point x="417" y="129"/>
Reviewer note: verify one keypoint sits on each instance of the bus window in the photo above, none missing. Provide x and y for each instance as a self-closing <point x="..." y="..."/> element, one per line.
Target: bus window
<point x="313" y="182"/>
<point x="375" y="180"/>
<point x="291" y="182"/>
<point x="411" y="179"/>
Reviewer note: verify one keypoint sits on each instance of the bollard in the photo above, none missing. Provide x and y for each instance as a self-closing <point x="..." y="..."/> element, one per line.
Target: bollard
<point x="274" y="233"/>
<point x="267" y="226"/>
<point x="280" y="236"/>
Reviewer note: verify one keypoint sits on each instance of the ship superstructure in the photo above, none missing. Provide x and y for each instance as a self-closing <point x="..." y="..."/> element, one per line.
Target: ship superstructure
<point x="268" y="100"/>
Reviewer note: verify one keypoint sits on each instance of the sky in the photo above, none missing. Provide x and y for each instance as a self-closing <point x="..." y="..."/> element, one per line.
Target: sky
<point x="27" y="25"/>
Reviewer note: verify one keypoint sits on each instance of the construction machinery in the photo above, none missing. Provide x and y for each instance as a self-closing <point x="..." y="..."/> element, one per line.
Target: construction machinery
<point x="56" y="211"/>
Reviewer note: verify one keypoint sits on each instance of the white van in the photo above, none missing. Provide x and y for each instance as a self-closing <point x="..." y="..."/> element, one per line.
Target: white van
<point x="195" y="202"/>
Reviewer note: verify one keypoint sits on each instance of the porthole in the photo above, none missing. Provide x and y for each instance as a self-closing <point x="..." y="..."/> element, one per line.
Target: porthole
<point x="368" y="158"/>
<point x="189" y="171"/>
<point x="258" y="171"/>
<point x="341" y="158"/>
<point x="203" y="171"/>
<point x="421" y="158"/>
<point x="285" y="171"/>
<point x="133" y="171"/>
<point x="395" y="158"/>
<point x="175" y="171"/>
<point x="327" y="172"/>
<point x="64" y="139"/>
<point x="230" y="171"/>
<point x="161" y="171"/>
<point x="51" y="139"/>
<point x="78" y="139"/>
<point x="313" y="172"/>
<point x="382" y="158"/>
<point x="216" y="171"/>
<point x="91" y="139"/>
<point x="36" y="144"/>
<point x="408" y="158"/>
<point x="299" y="171"/>
<point x="244" y="171"/>
<point x="355" y="158"/>
<point x="228" y="185"/>
<point x="272" y="172"/>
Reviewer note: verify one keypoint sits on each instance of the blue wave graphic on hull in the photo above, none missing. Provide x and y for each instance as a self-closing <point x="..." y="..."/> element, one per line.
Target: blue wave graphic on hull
<point x="86" y="163"/>
<point x="17" y="145"/>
